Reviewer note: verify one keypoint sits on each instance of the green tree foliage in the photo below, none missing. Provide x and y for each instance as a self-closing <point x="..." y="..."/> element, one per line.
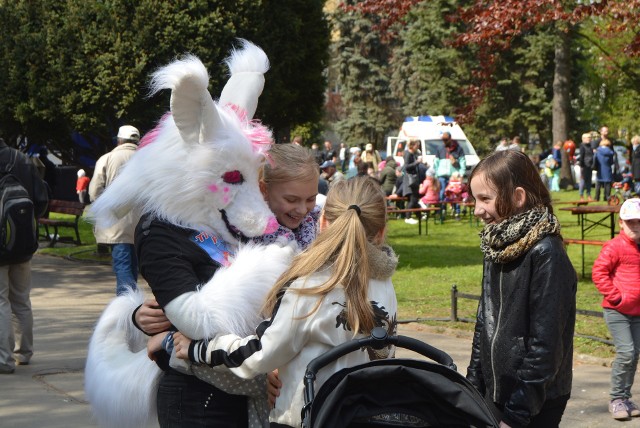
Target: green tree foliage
<point x="519" y="82"/>
<point x="84" y="66"/>
<point x="364" y="81"/>
<point x="428" y="74"/>
<point x="608" y="91"/>
<point x="295" y="36"/>
<point x="520" y="101"/>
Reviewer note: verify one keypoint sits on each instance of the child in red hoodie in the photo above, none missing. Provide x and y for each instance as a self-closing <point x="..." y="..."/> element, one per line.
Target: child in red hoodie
<point x="616" y="273"/>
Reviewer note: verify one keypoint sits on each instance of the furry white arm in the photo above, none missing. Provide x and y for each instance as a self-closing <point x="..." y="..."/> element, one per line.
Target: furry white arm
<point x="179" y="313"/>
<point x="231" y="301"/>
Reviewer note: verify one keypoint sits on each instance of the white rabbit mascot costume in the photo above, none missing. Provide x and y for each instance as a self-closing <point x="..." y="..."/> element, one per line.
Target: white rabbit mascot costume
<point x="194" y="178"/>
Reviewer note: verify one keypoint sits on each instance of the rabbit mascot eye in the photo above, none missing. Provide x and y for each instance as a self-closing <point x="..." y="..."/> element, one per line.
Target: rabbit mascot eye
<point x="194" y="181"/>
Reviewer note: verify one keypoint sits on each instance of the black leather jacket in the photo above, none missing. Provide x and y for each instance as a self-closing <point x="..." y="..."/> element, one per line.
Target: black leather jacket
<point x="522" y="350"/>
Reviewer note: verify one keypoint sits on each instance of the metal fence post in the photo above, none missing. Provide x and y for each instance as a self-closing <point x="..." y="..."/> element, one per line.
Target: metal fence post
<point x="454" y="303"/>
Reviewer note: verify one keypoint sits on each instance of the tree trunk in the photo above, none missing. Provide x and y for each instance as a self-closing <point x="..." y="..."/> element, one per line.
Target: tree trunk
<point x="561" y="96"/>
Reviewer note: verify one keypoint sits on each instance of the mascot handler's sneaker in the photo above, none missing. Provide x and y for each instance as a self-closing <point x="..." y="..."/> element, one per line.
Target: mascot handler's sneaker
<point x="618" y="409"/>
<point x="632" y="408"/>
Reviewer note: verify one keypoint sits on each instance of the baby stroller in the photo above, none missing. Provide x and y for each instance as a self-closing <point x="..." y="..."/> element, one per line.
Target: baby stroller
<point x="393" y="392"/>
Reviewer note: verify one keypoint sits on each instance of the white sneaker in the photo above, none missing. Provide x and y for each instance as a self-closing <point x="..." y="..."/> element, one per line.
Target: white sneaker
<point x="632" y="408"/>
<point x="618" y="409"/>
<point x="411" y="221"/>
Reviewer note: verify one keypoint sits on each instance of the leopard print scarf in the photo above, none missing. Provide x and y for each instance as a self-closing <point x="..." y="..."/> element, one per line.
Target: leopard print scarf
<point x="511" y="238"/>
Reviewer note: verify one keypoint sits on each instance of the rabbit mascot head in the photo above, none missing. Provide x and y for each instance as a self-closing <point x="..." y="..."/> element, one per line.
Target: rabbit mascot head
<point x="199" y="167"/>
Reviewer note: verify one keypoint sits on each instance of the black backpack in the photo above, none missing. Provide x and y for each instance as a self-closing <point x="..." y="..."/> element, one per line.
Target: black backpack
<point x="18" y="228"/>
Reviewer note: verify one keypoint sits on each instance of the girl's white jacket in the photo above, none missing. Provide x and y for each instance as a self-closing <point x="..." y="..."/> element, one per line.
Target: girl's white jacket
<point x="292" y="340"/>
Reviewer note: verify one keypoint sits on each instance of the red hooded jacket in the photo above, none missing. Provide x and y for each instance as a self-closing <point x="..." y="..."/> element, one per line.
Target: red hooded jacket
<point x="616" y="274"/>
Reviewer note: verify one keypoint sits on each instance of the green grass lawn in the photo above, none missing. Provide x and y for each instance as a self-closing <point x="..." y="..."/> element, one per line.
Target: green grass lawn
<point x="450" y="254"/>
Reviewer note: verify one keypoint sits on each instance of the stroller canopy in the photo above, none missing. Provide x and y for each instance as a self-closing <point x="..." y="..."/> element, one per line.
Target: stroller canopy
<point x="398" y="393"/>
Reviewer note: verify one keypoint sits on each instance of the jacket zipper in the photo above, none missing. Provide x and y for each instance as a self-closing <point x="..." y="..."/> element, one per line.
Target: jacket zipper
<point x="493" y="341"/>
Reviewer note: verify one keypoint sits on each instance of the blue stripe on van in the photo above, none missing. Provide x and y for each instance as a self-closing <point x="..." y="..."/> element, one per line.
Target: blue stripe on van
<point x="447" y="119"/>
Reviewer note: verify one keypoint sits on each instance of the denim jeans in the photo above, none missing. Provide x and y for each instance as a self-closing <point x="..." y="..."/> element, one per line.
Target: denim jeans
<point x="16" y="317"/>
<point x="585" y="181"/>
<point x="444" y="180"/>
<point x="625" y="330"/>
<point x="607" y="189"/>
<point x="185" y="401"/>
<point x="125" y="266"/>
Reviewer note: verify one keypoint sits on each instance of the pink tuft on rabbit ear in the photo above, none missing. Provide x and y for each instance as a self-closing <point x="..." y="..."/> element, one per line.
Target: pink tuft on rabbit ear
<point x="259" y="135"/>
<point x="151" y="136"/>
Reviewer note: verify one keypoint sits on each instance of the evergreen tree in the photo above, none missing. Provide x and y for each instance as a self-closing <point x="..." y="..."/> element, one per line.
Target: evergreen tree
<point x="295" y="36"/>
<point x="428" y="74"/>
<point x="364" y="83"/>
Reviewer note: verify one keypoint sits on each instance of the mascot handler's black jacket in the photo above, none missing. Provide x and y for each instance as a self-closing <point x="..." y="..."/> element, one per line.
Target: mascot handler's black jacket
<point x="522" y="350"/>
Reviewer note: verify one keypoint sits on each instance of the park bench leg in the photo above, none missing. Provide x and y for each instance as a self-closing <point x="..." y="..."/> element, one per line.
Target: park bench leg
<point x="54" y="238"/>
<point x="77" y="235"/>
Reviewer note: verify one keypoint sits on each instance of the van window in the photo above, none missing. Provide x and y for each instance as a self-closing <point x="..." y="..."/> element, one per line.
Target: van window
<point x="432" y="146"/>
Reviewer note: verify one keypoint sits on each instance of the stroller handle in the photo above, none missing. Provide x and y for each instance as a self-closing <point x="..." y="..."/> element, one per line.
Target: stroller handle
<point x="378" y="340"/>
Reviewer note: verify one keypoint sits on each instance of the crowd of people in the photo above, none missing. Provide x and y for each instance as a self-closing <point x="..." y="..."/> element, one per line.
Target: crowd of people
<point x="335" y="198"/>
<point x="596" y="166"/>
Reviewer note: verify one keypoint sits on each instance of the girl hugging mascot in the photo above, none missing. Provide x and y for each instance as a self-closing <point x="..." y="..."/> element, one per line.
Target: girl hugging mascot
<point x="194" y="180"/>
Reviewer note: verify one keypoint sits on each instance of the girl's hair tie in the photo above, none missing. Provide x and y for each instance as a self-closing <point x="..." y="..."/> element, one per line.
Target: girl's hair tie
<point x="356" y="208"/>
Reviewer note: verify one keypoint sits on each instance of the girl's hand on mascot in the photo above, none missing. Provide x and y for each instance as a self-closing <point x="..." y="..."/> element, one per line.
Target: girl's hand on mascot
<point x="181" y="344"/>
<point x="273" y="387"/>
<point x="155" y="344"/>
<point x="151" y="319"/>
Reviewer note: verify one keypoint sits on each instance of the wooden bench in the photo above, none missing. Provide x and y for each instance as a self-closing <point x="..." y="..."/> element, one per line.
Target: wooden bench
<point x="419" y="211"/>
<point x="583" y="242"/>
<point x="57" y="206"/>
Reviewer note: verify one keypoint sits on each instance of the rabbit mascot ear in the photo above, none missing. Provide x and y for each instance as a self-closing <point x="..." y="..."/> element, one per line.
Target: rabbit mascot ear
<point x="197" y="169"/>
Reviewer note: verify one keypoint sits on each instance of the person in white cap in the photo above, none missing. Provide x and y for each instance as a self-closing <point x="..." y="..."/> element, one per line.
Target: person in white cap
<point x="616" y="274"/>
<point x="120" y="235"/>
<point x="371" y="157"/>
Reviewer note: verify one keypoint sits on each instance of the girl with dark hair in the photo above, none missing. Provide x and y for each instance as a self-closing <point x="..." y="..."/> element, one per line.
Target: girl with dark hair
<point x="522" y="351"/>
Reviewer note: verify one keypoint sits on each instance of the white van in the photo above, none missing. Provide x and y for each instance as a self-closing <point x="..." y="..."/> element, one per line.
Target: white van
<point x="429" y="130"/>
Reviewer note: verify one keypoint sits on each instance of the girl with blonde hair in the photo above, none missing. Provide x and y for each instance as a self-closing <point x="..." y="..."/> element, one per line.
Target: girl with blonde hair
<point x="289" y="184"/>
<point x="338" y="289"/>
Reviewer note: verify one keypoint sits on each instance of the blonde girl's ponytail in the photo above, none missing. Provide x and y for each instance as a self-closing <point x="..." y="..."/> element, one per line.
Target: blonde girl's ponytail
<point x="356" y="212"/>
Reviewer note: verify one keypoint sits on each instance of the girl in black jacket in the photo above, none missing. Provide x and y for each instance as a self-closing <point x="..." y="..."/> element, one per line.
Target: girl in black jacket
<point x="523" y="342"/>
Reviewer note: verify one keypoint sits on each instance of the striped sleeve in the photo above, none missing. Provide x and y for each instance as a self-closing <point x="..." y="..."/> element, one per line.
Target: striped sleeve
<point x="278" y="341"/>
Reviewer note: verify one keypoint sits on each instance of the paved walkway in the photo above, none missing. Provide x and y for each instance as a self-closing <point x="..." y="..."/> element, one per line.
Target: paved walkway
<point x="69" y="296"/>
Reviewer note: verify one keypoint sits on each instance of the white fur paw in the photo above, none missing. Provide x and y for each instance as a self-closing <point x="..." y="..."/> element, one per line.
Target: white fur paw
<point x="286" y="251"/>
